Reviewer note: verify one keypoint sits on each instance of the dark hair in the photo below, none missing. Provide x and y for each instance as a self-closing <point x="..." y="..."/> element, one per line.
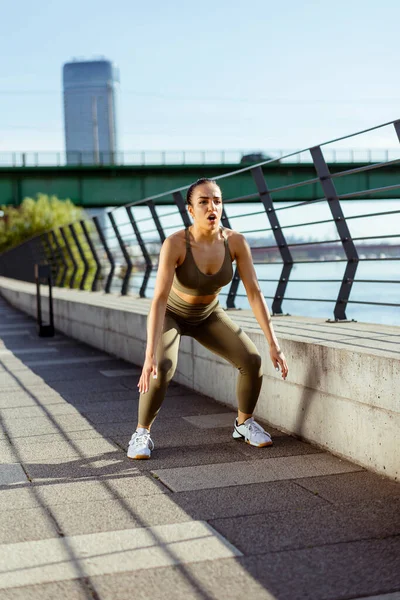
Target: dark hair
<point x="194" y="185"/>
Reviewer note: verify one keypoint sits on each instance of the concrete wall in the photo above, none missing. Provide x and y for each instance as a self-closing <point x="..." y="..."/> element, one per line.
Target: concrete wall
<point x="340" y="397"/>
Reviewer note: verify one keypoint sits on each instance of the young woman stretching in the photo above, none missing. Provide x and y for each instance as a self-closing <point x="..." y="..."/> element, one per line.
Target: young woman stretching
<point x="195" y="263"/>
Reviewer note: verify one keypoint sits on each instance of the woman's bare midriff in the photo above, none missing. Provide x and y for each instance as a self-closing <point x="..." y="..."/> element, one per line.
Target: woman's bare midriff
<point x="194" y="299"/>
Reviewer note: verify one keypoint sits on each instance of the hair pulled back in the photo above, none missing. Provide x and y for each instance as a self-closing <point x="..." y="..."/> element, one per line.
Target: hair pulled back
<point x="194" y="185"/>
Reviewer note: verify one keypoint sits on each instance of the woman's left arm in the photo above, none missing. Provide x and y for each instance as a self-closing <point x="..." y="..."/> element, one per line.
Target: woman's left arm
<point x="257" y="302"/>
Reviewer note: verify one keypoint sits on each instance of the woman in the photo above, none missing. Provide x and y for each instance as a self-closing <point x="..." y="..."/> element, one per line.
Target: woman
<point x="194" y="265"/>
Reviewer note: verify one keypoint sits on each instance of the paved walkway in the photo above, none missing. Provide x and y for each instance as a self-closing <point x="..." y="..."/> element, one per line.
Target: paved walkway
<point x="206" y="518"/>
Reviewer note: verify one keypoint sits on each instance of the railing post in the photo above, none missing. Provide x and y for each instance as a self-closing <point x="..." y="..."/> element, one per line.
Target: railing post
<point x="179" y="201"/>
<point x="64" y="262"/>
<point x="348" y="245"/>
<point x="127" y="258"/>
<point x="108" y="253"/>
<point x="156" y="220"/>
<point x="51" y="256"/>
<point x="230" y="301"/>
<point x="146" y="256"/>
<point x="43" y="273"/>
<point x="72" y="257"/>
<point x="94" y="254"/>
<point x="280" y="239"/>
<point x="82" y="255"/>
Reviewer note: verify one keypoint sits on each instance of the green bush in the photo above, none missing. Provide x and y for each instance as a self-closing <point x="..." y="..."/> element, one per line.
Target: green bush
<point x="35" y="216"/>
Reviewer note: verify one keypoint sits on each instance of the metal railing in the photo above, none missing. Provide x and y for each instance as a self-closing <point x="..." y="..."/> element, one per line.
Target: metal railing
<point x="119" y="251"/>
<point x="188" y="157"/>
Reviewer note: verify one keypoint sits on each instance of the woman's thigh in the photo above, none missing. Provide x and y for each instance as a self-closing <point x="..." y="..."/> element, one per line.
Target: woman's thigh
<point x="168" y="345"/>
<point x="222" y="336"/>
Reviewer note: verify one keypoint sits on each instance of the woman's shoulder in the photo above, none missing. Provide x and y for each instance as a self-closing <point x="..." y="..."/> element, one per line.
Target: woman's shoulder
<point x="234" y="236"/>
<point x="176" y="241"/>
<point x="236" y="240"/>
<point x="177" y="237"/>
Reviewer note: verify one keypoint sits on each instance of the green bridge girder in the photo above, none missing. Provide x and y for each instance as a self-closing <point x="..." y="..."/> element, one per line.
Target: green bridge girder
<point x="98" y="186"/>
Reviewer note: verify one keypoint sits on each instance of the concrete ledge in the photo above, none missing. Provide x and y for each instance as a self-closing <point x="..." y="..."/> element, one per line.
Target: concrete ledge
<point x="340" y="394"/>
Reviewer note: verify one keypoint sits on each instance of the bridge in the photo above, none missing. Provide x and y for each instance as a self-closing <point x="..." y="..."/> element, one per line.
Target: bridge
<point x="149" y="175"/>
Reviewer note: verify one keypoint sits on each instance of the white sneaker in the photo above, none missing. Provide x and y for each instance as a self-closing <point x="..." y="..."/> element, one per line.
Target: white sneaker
<point x="252" y="433"/>
<point x="140" y="444"/>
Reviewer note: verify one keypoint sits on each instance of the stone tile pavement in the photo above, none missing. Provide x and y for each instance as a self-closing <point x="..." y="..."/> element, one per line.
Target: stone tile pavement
<point x="206" y="518"/>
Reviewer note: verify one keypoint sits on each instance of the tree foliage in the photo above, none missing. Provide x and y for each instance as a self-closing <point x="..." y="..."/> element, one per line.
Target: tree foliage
<point x="35" y="216"/>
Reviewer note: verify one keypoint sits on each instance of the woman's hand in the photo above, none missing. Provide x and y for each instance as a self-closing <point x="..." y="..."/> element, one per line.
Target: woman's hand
<point x="149" y="370"/>
<point x="279" y="360"/>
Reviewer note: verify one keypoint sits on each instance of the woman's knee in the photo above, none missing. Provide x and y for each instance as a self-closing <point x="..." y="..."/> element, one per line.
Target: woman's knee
<point x="165" y="369"/>
<point x="251" y="365"/>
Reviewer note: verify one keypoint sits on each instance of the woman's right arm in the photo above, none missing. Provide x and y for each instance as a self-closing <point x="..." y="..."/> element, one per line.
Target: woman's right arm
<point x="169" y="256"/>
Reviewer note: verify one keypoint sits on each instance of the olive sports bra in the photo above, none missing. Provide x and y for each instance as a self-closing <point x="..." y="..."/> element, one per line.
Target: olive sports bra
<point x="190" y="280"/>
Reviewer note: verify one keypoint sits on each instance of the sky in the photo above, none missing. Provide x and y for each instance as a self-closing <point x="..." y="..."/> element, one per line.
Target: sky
<point x="214" y="74"/>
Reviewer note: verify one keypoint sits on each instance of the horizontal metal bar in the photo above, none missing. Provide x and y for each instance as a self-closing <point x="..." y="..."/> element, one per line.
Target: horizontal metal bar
<point x="375" y="280"/>
<point x="291" y="186"/>
<point x="306" y="224"/>
<point x="296" y="244"/>
<point x="172" y="226"/>
<point x="375" y="237"/>
<point x="323" y="300"/>
<point x="150" y="218"/>
<point x="260" y="212"/>
<point x="240" y="198"/>
<point x="333" y="280"/>
<point x="379" y="214"/>
<point x="372" y="303"/>
<point x="366" y="168"/>
<point x="176" y="212"/>
<point x="306" y="203"/>
<point x="387" y="188"/>
<point x="257" y="230"/>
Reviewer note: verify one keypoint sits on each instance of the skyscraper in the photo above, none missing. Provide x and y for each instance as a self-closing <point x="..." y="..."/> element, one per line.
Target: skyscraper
<point x="90" y="113"/>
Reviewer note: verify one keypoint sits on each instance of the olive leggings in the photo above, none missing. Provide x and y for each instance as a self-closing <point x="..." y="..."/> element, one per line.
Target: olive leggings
<point x="219" y="334"/>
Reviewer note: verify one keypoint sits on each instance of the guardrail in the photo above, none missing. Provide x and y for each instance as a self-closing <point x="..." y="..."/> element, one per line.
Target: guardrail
<point x="120" y="252"/>
<point x="188" y="157"/>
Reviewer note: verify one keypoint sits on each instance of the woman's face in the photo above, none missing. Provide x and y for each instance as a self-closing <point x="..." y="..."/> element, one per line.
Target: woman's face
<point x="206" y="207"/>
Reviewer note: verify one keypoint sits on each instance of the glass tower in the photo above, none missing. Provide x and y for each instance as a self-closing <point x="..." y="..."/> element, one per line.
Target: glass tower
<point x="90" y="113"/>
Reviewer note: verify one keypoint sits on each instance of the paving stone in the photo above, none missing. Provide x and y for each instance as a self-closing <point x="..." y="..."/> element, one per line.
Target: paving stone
<point x="11" y="474"/>
<point x="130" y="484"/>
<point x="211" y="580"/>
<point x="256" y="498"/>
<point x="28" y="412"/>
<point x="20" y="399"/>
<point x="132" y="372"/>
<point x="7" y="452"/>
<point x="330" y="572"/>
<point x="284" y="445"/>
<point x="69" y="389"/>
<point x="33" y="524"/>
<point x="307" y="527"/>
<point x="124" y="513"/>
<point x="82" y="361"/>
<point x="78" y="448"/>
<point x="19" y="497"/>
<point x="74" y="590"/>
<point x="242" y="473"/>
<point x="110" y="552"/>
<point x="98" y="466"/>
<point x="394" y="596"/>
<point x="225" y="419"/>
<point x="43" y="425"/>
<point x="33" y="351"/>
<point x="186" y="456"/>
<point x="352" y="487"/>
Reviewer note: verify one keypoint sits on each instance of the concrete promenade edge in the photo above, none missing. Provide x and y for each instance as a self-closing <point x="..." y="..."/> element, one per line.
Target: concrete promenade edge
<point x="206" y="518"/>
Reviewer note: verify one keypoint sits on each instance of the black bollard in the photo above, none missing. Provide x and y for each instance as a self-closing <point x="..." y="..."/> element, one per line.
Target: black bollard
<point x="43" y="275"/>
